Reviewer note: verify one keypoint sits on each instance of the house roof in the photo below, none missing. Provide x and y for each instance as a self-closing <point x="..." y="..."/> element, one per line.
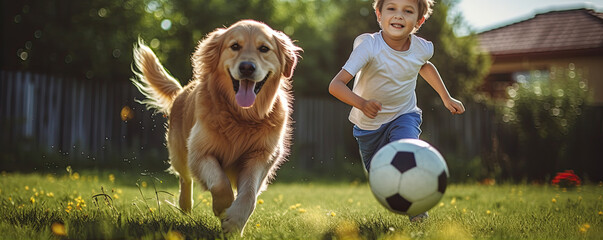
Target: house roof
<point x="556" y="31"/>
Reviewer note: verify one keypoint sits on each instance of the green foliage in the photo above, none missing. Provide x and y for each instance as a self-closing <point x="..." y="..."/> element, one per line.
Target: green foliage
<point x="458" y="59"/>
<point x="85" y="39"/>
<point x="92" y="205"/>
<point x="93" y="39"/>
<point x="542" y="114"/>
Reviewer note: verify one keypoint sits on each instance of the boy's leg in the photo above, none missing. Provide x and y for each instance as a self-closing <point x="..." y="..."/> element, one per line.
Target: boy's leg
<point x="369" y="142"/>
<point x="406" y="126"/>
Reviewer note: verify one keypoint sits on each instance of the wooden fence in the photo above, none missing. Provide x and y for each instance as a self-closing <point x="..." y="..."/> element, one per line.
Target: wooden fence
<point x="82" y="118"/>
<point x="52" y="114"/>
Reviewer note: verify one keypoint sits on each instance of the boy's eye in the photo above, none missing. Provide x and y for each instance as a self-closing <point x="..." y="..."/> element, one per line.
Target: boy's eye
<point x="235" y="47"/>
<point x="409" y="11"/>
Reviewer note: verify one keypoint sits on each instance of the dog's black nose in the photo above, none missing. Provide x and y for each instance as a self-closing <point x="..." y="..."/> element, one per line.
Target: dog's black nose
<point x="246" y="69"/>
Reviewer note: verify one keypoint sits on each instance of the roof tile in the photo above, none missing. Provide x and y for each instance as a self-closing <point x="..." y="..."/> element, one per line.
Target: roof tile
<point x="576" y="29"/>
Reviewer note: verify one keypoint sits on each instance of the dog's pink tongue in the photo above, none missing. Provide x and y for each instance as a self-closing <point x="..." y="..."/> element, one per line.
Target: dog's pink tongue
<point x="245" y="96"/>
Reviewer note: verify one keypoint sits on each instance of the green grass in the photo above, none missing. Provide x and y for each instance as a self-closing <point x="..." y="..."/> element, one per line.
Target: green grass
<point x="32" y="203"/>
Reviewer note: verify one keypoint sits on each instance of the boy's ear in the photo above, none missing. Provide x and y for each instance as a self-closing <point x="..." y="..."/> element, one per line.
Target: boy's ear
<point x="378" y="13"/>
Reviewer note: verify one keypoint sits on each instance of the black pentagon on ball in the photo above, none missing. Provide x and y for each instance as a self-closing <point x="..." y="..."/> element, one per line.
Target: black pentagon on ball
<point x="404" y="161"/>
<point x="442" y="180"/>
<point x="398" y="203"/>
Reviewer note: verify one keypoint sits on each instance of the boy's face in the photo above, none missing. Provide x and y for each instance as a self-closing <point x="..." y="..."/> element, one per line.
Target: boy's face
<point x="399" y="18"/>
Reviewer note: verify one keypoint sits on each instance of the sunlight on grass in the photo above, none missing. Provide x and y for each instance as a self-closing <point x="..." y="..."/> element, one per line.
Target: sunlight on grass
<point x="138" y="206"/>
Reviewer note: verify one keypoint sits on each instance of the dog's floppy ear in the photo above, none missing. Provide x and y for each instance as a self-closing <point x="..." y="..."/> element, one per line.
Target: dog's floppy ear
<point x="288" y="51"/>
<point x="207" y="55"/>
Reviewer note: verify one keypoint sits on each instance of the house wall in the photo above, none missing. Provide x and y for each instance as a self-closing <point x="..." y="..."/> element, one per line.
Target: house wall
<point x="591" y="68"/>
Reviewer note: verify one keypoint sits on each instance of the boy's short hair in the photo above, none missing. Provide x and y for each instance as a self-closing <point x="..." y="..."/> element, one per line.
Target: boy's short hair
<point x="425" y="7"/>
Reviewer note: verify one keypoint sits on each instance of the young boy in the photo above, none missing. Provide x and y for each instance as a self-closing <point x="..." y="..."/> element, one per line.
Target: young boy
<point x="386" y="65"/>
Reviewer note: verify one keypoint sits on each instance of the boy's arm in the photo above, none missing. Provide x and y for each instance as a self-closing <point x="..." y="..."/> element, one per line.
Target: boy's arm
<point x="431" y="75"/>
<point x="338" y="88"/>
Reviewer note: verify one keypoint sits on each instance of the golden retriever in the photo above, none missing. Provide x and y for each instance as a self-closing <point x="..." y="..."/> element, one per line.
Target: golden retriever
<point x="230" y="125"/>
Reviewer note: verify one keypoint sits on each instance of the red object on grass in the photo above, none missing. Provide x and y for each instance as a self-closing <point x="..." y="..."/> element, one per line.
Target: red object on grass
<point x="566" y="179"/>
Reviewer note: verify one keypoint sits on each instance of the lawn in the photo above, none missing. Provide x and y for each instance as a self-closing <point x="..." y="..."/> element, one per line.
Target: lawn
<point x="116" y="205"/>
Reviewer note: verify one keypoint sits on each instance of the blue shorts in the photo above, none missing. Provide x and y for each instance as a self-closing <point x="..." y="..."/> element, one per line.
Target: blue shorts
<point x="370" y="141"/>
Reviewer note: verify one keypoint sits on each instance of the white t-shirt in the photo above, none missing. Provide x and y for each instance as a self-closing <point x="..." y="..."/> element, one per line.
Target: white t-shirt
<point x="386" y="75"/>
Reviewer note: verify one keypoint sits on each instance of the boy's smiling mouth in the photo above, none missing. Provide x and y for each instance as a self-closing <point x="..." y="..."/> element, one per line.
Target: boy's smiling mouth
<point x="397" y="25"/>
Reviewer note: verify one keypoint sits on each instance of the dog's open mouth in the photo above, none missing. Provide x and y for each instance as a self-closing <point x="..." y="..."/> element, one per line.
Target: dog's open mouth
<point x="246" y="90"/>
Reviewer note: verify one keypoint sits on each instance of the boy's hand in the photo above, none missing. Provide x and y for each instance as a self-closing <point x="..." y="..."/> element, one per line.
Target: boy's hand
<point x="370" y="108"/>
<point x="454" y="106"/>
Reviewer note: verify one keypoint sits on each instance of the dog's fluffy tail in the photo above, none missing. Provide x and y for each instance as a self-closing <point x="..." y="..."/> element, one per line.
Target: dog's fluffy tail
<point x="153" y="80"/>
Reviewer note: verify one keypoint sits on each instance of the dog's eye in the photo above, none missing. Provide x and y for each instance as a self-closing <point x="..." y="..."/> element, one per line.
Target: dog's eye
<point x="235" y="47"/>
<point x="264" y="49"/>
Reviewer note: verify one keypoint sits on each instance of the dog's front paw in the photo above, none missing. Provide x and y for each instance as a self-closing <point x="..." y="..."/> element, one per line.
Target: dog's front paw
<point x="232" y="227"/>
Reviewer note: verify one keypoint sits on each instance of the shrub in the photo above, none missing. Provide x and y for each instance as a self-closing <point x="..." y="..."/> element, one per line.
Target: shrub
<point x="539" y="120"/>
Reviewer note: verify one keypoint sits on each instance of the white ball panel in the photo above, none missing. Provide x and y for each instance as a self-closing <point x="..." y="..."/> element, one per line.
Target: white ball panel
<point x="444" y="160"/>
<point x="383" y="157"/>
<point x="384" y="181"/>
<point x="417" y="184"/>
<point x="409" y="145"/>
<point x="424" y="204"/>
<point x="430" y="160"/>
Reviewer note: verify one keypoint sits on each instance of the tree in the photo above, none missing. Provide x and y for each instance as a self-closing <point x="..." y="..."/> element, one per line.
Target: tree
<point x="458" y="59"/>
<point x="82" y="39"/>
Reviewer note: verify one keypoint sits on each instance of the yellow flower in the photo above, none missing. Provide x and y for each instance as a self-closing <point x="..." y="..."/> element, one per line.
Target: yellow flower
<point x="257" y="225"/>
<point x="58" y="229"/>
<point x="453" y="201"/>
<point x="554" y="200"/>
<point x="152" y="210"/>
<point x="301" y="210"/>
<point x="144" y="184"/>
<point x="584" y="227"/>
<point x="333" y="214"/>
<point x="75" y="176"/>
<point x="260" y="201"/>
<point x="600" y="213"/>
<point x="112" y="177"/>
<point x="50" y="194"/>
<point x="488" y="212"/>
<point x="69" y="207"/>
<point x="174" y="235"/>
<point x="32" y="200"/>
<point x="26" y="188"/>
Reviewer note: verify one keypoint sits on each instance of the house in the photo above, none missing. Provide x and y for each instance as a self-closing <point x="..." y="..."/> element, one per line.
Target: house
<point x="568" y="39"/>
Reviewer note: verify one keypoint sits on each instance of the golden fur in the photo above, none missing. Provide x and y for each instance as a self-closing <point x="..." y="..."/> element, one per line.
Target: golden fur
<point x="214" y="134"/>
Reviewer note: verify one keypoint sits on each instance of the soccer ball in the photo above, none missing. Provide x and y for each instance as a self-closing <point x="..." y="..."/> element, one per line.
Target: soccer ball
<point x="408" y="176"/>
